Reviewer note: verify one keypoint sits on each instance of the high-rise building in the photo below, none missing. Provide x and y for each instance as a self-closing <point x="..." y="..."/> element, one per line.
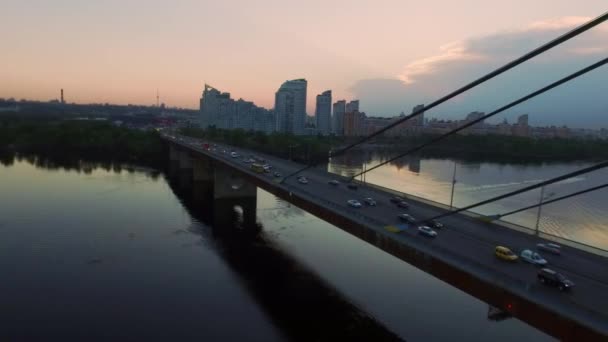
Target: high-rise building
<point x="215" y="108"/>
<point x="290" y="107"/>
<point x="478" y="128"/>
<point x="352" y="106"/>
<point x="323" y="113"/>
<point x="521" y="128"/>
<point x="219" y="110"/>
<point x="338" y="117"/>
<point x="418" y="120"/>
<point x="522" y="120"/>
<point x="354" y="124"/>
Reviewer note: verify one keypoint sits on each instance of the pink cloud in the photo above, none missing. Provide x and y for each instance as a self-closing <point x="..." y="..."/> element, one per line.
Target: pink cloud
<point x="507" y="45"/>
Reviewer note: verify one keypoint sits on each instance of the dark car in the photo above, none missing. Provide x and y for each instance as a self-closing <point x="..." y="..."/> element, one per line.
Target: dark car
<point x="333" y="182"/>
<point x="370" y="201"/>
<point x="403" y="204"/>
<point x="550" y="247"/>
<point x="435" y="224"/>
<point x="396" y="199"/>
<point x="352" y="186"/>
<point x="407" y="218"/>
<point x="549" y="277"/>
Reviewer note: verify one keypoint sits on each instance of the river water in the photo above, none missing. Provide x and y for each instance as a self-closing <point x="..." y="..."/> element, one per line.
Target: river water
<point x="103" y="252"/>
<point x="582" y="218"/>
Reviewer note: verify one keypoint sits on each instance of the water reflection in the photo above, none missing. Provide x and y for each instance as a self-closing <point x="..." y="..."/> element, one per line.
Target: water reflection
<point x="582" y="218"/>
<point x="55" y="163"/>
<point x="302" y="305"/>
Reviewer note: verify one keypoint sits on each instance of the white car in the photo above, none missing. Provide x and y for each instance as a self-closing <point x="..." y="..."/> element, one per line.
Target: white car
<point x="354" y="203"/>
<point x="303" y="180"/>
<point x="234" y="154"/>
<point x="427" y="231"/>
<point x="532" y="257"/>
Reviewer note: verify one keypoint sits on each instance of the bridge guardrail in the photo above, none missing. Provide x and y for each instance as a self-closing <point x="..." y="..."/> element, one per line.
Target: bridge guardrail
<point x="506" y="224"/>
<point x="563" y="240"/>
<point x="494" y="275"/>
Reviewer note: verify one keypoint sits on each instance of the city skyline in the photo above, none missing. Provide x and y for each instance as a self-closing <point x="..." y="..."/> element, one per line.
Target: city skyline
<point x="175" y="52"/>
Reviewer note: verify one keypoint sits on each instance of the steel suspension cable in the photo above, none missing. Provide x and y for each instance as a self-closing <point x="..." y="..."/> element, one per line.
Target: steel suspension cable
<point x="528" y="188"/>
<point x="551" y="201"/>
<point x="499" y="110"/>
<point x="555" y="42"/>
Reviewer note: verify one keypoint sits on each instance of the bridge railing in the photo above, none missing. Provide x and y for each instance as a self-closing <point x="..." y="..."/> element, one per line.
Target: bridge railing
<point x="560" y="239"/>
<point x="494" y="275"/>
<point x="563" y="240"/>
<point x="491" y="274"/>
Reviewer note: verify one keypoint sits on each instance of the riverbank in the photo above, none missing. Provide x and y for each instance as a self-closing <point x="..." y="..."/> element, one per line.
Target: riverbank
<point x="303" y="149"/>
<point x="489" y="148"/>
<point x="500" y="149"/>
<point x="71" y="141"/>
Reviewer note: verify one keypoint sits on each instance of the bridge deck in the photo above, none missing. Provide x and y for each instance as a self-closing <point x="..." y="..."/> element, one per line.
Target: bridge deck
<point x="462" y="254"/>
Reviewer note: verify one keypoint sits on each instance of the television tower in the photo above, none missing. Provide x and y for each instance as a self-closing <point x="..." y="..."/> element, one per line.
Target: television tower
<point x="157" y="99"/>
<point x="62" y="101"/>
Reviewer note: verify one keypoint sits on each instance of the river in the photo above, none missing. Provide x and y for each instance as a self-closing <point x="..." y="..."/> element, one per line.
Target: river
<point x="583" y="218"/>
<point x="107" y="252"/>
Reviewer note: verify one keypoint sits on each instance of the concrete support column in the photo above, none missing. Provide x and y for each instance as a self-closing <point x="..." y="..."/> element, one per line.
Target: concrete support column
<point x="185" y="170"/>
<point x="235" y="200"/>
<point x="202" y="181"/>
<point x="173" y="160"/>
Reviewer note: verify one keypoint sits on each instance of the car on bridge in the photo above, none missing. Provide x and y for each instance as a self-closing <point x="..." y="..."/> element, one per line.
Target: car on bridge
<point x="302" y="180"/>
<point x="354" y="203"/>
<point x="255" y="167"/>
<point x="550" y="247"/>
<point x="234" y="154"/>
<point x="370" y="201"/>
<point x="532" y="257"/>
<point x="333" y="182"/>
<point x="505" y="253"/>
<point x="407" y="218"/>
<point x="403" y="204"/>
<point x="427" y="231"/>
<point x="549" y="277"/>
<point x="396" y="199"/>
<point x="435" y="224"/>
<point x="277" y="174"/>
<point x="352" y="186"/>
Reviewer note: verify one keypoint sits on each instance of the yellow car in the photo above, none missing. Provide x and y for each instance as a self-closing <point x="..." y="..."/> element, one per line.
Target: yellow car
<point x="504" y="253"/>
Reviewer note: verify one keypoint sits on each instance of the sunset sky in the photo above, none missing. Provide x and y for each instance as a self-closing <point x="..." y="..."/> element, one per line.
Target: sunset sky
<point x="390" y="54"/>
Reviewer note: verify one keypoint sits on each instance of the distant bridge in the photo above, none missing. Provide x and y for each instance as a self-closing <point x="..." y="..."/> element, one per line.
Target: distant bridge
<point x="461" y="255"/>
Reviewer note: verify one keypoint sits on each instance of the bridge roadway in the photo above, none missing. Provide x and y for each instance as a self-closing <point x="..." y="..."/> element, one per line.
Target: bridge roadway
<point x="464" y="242"/>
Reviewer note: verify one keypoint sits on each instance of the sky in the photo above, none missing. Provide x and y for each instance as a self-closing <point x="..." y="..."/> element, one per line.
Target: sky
<point x="390" y="54"/>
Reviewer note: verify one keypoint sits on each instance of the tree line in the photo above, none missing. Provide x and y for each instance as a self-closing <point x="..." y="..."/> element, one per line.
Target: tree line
<point x="87" y="140"/>
<point x="492" y="148"/>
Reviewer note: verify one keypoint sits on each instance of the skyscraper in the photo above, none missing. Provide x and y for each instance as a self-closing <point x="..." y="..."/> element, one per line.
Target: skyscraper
<point x="219" y="110"/>
<point x="352" y="106"/>
<point x="290" y="107"/>
<point x="323" y="112"/>
<point x="214" y="106"/>
<point x="418" y="120"/>
<point x="339" y="110"/>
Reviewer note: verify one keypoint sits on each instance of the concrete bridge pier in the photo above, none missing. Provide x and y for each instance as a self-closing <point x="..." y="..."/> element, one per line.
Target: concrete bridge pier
<point x="202" y="182"/>
<point x="184" y="174"/>
<point x="173" y="161"/>
<point x="235" y="201"/>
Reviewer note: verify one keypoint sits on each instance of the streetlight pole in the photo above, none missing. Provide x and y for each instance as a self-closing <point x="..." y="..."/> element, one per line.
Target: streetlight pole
<point x="540" y="202"/>
<point x="453" y="186"/>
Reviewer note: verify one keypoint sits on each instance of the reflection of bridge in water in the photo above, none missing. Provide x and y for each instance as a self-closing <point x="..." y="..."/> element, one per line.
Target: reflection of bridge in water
<point x="461" y="255"/>
<point x="301" y="304"/>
